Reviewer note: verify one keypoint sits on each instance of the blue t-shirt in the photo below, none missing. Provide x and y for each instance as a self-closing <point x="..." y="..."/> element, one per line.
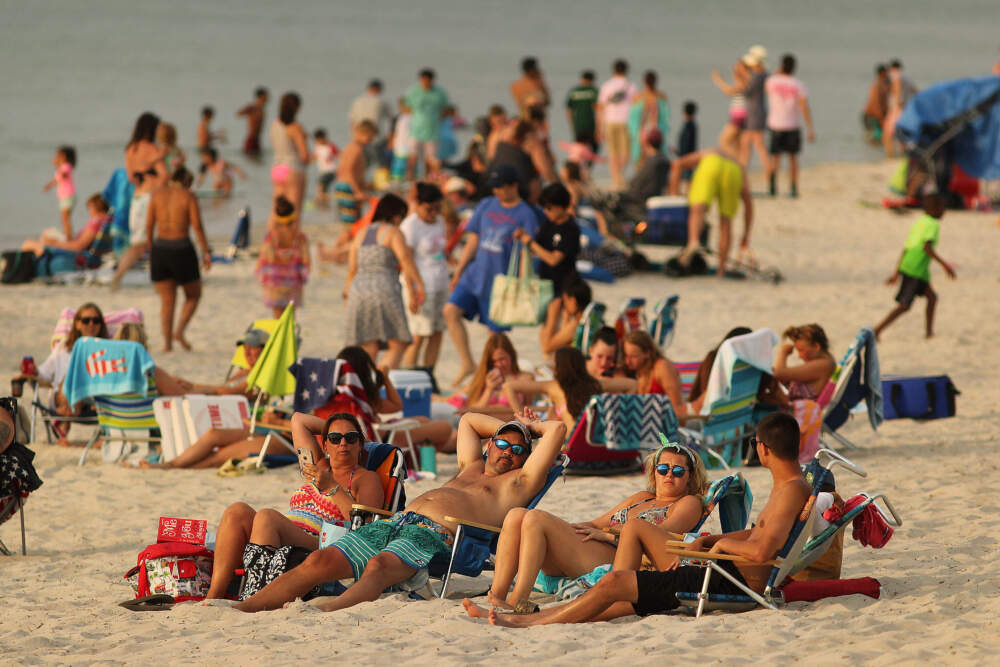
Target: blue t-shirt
<point x="495" y="225"/>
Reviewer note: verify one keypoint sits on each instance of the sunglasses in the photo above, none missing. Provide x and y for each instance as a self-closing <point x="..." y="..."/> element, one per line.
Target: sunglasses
<point x="664" y="468"/>
<point x="516" y="450"/>
<point x="349" y="438"/>
<point x="90" y="320"/>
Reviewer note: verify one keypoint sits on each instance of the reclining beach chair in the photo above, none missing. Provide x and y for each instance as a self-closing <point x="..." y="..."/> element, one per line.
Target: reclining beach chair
<point x="661" y="326"/>
<point x="631" y="317"/>
<point x="788" y="561"/>
<point x="40" y="410"/>
<point x="857" y="379"/>
<point x="127" y="419"/>
<point x="591" y="320"/>
<point x="688" y="370"/>
<point x="614" y="429"/>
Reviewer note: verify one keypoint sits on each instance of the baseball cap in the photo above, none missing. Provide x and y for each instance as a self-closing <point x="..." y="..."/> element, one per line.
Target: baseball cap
<point x="503" y="174"/>
<point x="456" y="184"/>
<point x="515" y="425"/>
<point x="254" y="338"/>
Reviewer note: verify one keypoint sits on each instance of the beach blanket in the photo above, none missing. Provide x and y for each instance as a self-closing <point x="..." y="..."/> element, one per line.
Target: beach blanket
<point x="99" y="367"/>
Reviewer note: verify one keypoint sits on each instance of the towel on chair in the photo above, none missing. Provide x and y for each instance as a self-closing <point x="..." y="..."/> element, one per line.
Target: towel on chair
<point x="313" y="382"/>
<point x="754" y="348"/>
<point x="99" y="367"/>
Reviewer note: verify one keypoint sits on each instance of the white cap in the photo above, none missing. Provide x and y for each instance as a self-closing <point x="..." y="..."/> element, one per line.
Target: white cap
<point x="456" y="184"/>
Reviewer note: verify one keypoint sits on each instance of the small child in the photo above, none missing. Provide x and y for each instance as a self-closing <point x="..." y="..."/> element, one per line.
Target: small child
<point x="283" y="267"/>
<point x="98" y="210"/>
<point x="915" y="265"/>
<point x="325" y="155"/>
<point x="166" y="137"/>
<point x="400" y="143"/>
<point x="687" y="138"/>
<point x="206" y="137"/>
<point x="64" y="162"/>
<point x="222" y="179"/>
<point x="424" y="231"/>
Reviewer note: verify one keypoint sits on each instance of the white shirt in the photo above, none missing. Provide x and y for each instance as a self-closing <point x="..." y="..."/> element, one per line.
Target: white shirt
<point x="326" y="158"/>
<point x="616" y="95"/>
<point x="428" y="242"/>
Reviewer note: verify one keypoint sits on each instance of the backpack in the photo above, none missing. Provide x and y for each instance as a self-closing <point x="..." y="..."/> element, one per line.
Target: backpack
<point x="180" y="570"/>
<point x="17" y="267"/>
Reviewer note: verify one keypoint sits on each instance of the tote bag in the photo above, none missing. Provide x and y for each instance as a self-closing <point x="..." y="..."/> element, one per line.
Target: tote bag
<point x="519" y="300"/>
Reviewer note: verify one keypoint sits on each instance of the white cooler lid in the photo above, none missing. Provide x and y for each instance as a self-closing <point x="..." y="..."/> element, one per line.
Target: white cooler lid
<point x="666" y="201"/>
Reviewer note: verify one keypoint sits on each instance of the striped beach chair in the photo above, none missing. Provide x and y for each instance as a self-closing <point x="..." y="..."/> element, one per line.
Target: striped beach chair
<point x="124" y="420"/>
<point x="730" y="420"/>
<point x="688" y="370"/>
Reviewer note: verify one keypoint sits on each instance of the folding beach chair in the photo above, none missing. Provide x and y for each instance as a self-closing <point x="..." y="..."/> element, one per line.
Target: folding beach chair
<point x="688" y="370"/>
<point x="476" y="542"/>
<point x="10" y="505"/>
<point x="591" y="320"/>
<point x="126" y="419"/>
<point x="631" y="317"/>
<point x="788" y="560"/>
<point x="731" y="494"/>
<point x="661" y="327"/>
<point x="857" y="379"/>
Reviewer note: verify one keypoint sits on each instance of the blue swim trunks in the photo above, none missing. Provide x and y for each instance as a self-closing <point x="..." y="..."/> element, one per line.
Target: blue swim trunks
<point x="348" y="207"/>
<point x="411" y="537"/>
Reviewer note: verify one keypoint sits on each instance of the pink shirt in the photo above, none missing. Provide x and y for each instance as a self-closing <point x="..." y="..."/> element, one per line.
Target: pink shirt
<point x="616" y="95"/>
<point x="64" y="181"/>
<point x="783" y="95"/>
<point x="93" y="225"/>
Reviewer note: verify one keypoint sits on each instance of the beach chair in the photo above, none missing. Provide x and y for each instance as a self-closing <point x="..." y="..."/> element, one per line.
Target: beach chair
<point x="856" y="379"/>
<point x="40" y="410"/>
<point x="788" y="560"/>
<point x="688" y="370"/>
<point x="239" y="359"/>
<point x="731" y="494"/>
<point x="127" y="419"/>
<point x="614" y="429"/>
<point x="476" y="542"/>
<point x="664" y="319"/>
<point x="591" y="320"/>
<point x="10" y="505"/>
<point x="631" y="317"/>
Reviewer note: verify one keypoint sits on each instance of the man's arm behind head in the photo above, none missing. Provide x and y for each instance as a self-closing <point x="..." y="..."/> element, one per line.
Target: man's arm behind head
<point x="552" y="435"/>
<point x="472" y="429"/>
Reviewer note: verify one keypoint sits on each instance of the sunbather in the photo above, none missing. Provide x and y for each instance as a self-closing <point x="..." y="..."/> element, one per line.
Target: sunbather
<point x="805" y="381"/>
<point x="484" y="393"/>
<point x="534" y="540"/>
<point x="166" y="384"/>
<point x="627" y="592"/>
<point x="397" y="550"/>
<point x="571" y="389"/>
<point x="332" y="485"/>
<point x="654" y="373"/>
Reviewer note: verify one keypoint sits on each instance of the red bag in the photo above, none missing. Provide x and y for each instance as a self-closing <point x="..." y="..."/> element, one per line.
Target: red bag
<point x="182" y="571"/>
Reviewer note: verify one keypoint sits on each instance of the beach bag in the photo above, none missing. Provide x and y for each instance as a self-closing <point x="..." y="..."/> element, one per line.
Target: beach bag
<point x="519" y="300"/>
<point x="17" y="267"/>
<point x="178" y="569"/>
<point x="931" y="397"/>
<point x="263" y="563"/>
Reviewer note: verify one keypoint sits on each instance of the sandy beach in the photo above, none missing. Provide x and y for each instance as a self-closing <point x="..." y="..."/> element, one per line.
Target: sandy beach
<point x="939" y="573"/>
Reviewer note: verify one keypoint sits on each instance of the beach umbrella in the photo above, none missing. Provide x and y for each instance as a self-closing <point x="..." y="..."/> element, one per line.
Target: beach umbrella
<point x="270" y="373"/>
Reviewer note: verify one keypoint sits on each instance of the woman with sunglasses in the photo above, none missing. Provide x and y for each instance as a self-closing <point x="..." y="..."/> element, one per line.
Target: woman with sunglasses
<point x="534" y="541"/>
<point x="336" y="481"/>
<point x="283" y="266"/>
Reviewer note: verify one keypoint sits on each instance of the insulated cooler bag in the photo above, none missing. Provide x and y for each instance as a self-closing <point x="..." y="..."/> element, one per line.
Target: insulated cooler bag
<point x="931" y="397"/>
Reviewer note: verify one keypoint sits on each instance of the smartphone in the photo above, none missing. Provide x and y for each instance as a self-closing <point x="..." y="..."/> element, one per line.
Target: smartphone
<point x="306" y="457"/>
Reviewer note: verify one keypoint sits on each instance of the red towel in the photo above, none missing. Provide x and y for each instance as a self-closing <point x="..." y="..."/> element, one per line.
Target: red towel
<point x="810" y="591"/>
<point x="870" y="527"/>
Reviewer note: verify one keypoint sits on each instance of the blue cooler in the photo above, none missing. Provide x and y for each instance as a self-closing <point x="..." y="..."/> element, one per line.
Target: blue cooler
<point x="414" y="388"/>
<point x="667" y="222"/>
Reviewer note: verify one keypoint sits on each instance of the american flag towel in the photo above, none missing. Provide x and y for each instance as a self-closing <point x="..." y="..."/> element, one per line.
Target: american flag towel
<point x="318" y="381"/>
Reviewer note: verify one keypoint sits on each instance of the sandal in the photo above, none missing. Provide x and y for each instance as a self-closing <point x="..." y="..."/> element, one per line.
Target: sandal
<point x="157" y="602"/>
<point x="526" y="607"/>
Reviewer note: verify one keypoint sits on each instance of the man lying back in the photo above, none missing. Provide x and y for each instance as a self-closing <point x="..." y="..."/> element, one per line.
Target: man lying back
<point x="392" y="551"/>
<point x="627" y="592"/>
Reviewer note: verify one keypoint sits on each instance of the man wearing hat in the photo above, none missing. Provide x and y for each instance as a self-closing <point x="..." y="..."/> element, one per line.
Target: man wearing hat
<point x="397" y="550"/>
<point x="489" y="239"/>
<point x="753" y="134"/>
<point x="253" y="342"/>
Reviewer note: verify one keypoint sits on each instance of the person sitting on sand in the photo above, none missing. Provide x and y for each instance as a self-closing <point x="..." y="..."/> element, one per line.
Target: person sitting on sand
<point x="624" y="592"/>
<point x="220" y="170"/>
<point x="534" y="541"/>
<point x="484" y="393"/>
<point x="335" y="482"/>
<point x="571" y="389"/>
<point x="397" y="550"/>
<point x="654" y="373"/>
<point x="718" y="175"/>
<point x="564" y="315"/>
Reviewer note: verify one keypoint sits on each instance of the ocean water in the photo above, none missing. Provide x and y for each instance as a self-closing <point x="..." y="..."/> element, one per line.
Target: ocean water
<point x="81" y="72"/>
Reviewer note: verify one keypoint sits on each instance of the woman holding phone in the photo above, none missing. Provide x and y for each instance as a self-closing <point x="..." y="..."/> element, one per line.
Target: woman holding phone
<point x="334" y="481"/>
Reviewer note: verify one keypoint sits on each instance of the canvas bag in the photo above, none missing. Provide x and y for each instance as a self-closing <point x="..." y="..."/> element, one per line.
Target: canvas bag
<point x="180" y="570"/>
<point x="519" y="300"/>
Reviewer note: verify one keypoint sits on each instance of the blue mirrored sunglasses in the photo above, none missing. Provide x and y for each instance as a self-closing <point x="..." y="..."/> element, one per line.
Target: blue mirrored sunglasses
<point x="517" y="450"/>
<point x="664" y="468"/>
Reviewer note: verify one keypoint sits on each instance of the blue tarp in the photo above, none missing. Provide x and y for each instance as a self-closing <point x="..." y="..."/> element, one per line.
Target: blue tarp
<point x="976" y="148"/>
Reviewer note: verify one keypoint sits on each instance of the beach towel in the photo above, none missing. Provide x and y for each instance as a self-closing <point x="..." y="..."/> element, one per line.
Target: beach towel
<point x="349" y="396"/>
<point x="314" y="382"/>
<point x="99" y="367"/>
<point x="753" y="348"/>
<point x="118" y="194"/>
<point x="809" y="416"/>
<point x="632" y="421"/>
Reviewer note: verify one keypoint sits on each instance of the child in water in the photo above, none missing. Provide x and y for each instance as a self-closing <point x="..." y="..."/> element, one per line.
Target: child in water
<point x="222" y="179"/>
<point x="325" y="154"/>
<point x="283" y="267"/>
<point x="64" y="162"/>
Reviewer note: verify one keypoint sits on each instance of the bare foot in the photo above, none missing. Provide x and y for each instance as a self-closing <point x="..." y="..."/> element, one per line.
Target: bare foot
<point x="182" y="341"/>
<point x="503" y="620"/>
<point x="116" y="283"/>
<point x="497" y="602"/>
<point x="462" y="374"/>
<point x="474" y="610"/>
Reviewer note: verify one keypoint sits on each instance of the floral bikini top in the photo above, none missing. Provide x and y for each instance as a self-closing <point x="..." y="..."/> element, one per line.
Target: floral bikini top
<point x="654" y="515"/>
<point x="309" y="508"/>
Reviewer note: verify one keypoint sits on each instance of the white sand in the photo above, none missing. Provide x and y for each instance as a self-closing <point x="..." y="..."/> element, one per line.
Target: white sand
<point x="939" y="573"/>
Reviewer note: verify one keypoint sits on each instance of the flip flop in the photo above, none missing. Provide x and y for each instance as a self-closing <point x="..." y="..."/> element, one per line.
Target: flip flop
<point x="525" y="607"/>
<point x="249" y="465"/>
<point x="157" y="602"/>
<point x="229" y="469"/>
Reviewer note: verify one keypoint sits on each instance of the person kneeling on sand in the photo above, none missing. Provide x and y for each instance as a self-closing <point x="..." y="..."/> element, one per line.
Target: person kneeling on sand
<point x="396" y="550"/>
<point x="624" y="592"/>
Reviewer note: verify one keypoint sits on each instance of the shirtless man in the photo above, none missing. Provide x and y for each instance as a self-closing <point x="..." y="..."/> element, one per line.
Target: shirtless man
<point x="719" y="176"/>
<point x="254" y="113"/>
<point x="530" y="89"/>
<point x="173" y="210"/>
<point x="392" y="551"/>
<point x="625" y="592"/>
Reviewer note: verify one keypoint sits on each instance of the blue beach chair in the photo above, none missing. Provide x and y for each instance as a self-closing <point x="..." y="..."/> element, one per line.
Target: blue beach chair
<point x="730" y="420"/>
<point x="858" y="380"/>
<point x="661" y="328"/>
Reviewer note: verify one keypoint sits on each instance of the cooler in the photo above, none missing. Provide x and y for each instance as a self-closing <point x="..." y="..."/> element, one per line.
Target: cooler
<point x="414" y="388"/>
<point x="667" y="222"/>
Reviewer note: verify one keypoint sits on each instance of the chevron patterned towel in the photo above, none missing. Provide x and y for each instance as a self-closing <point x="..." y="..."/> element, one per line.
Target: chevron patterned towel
<point x="632" y="421"/>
